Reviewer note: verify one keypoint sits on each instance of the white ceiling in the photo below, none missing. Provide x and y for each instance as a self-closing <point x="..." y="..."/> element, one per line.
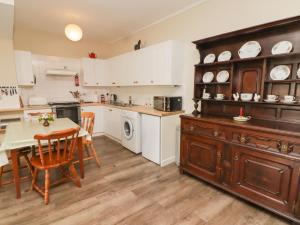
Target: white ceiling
<point x="104" y="20"/>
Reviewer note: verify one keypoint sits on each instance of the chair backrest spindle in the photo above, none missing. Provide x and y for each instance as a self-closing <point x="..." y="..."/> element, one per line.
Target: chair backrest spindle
<point x="66" y="138"/>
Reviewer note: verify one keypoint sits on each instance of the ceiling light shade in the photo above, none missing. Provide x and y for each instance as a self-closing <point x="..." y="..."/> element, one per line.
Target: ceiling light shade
<point x="73" y="32"/>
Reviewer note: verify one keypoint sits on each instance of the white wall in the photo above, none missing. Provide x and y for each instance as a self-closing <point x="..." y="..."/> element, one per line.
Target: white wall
<point x="210" y="18"/>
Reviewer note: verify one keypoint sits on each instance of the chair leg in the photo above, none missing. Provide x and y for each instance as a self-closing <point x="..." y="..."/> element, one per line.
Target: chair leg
<point x="28" y="164"/>
<point x="95" y="154"/>
<point x="47" y="185"/>
<point x="87" y="150"/>
<point x="1" y="172"/>
<point x="34" y="177"/>
<point x="74" y="175"/>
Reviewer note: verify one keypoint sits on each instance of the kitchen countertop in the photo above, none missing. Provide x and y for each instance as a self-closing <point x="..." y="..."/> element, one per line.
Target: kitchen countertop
<point x="137" y="108"/>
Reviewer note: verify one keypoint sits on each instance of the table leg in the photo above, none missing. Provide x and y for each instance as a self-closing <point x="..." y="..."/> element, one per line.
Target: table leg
<point x="15" y="169"/>
<point x="80" y="157"/>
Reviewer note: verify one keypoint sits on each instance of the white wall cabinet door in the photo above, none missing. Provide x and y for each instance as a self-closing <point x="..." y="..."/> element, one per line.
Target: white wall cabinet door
<point x="102" y="77"/>
<point x="23" y="62"/>
<point x="98" y="111"/>
<point x="168" y="63"/>
<point x="89" y="72"/>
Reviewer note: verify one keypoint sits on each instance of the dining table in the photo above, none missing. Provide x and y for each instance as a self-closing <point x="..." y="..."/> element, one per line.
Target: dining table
<point x="21" y="134"/>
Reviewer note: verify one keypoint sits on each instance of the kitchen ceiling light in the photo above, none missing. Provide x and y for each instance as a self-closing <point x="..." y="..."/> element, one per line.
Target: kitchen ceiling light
<point x="73" y="32"/>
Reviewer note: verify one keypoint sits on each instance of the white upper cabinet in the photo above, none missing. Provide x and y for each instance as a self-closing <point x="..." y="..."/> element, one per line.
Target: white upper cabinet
<point x="168" y="63"/>
<point x="95" y="72"/>
<point x="89" y="72"/>
<point x="160" y="64"/>
<point x="23" y="61"/>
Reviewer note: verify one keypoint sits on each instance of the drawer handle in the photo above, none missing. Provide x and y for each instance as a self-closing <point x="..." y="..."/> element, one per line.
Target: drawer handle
<point x="216" y="133"/>
<point x="263" y="139"/>
<point x="284" y="147"/>
<point x="243" y="139"/>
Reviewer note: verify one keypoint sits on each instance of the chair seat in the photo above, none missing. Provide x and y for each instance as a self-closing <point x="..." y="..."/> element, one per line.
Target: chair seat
<point x="36" y="161"/>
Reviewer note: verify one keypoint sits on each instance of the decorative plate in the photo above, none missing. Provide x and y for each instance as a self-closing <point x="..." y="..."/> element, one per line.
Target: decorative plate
<point x="282" y="47"/>
<point x="298" y="72"/>
<point x="208" y="77"/>
<point x="222" y="76"/>
<point x="242" y="118"/>
<point x="249" y="50"/>
<point x="280" y="72"/>
<point x="210" y="58"/>
<point x="224" y="56"/>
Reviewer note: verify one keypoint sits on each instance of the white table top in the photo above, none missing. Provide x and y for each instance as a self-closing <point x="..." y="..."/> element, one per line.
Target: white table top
<point x="20" y="134"/>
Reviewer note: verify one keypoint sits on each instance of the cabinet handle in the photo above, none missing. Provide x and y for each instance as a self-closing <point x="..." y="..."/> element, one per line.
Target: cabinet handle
<point x="216" y="133"/>
<point x="113" y="83"/>
<point x="243" y="139"/>
<point x="110" y="110"/>
<point x="31" y="82"/>
<point x="151" y="81"/>
<point x="192" y="128"/>
<point x="284" y="147"/>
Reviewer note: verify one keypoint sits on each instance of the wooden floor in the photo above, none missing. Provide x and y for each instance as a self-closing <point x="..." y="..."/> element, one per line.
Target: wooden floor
<point x="130" y="190"/>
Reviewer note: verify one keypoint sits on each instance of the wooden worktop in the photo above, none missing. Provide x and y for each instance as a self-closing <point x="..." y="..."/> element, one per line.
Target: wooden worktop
<point x="139" y="109"/>
<point x="284" y="128"/>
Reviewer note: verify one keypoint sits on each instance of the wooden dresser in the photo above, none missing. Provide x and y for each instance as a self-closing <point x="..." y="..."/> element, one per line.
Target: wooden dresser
<point x="258" y="160"/>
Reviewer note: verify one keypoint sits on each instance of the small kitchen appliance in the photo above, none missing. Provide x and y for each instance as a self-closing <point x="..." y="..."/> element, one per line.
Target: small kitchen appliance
<point x="167" y="104"/>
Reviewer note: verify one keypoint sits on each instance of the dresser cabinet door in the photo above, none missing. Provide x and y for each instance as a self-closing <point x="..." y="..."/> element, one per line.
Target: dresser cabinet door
<point x="265" y="178"/>
<point x="201" y="156"/>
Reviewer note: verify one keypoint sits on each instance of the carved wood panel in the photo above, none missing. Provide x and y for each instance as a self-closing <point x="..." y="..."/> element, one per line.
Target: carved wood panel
<point x="264" y="178"/>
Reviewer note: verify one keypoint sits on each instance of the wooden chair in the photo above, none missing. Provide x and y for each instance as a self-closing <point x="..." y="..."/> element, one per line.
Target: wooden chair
<point x="60" y="154"/>
<point x="22" y="153"/>
<point x="88" y="120"/>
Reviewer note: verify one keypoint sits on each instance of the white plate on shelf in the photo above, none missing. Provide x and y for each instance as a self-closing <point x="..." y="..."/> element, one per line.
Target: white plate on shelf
<point x="270" y="100"/>
<point x="298" y="72"/>
<point x="222" y="76"/>
<point x="288" y="102"/>
<point x="280" y="72"/>
<point x="208" y="77"/>
<point x="210" y="58"/>
<point x="242" y="118"/>
<point x="249" y="50"/>
<point x="282" y="47"/>
<point x="206" y="98"/>
<point x="224" y="56"/>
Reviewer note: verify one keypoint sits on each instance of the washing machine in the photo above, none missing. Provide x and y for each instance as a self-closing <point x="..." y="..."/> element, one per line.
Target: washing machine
<point x="131" y="131"/>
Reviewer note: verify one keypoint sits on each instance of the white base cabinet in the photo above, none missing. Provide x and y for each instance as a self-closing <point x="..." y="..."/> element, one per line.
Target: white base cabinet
<point x="112" y="122"/>
<point x="159" y="138"/>
<point x="98" y="111"/>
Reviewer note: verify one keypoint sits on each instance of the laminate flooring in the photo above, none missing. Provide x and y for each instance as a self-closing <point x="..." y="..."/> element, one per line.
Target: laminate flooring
<point x="131" y="190"/>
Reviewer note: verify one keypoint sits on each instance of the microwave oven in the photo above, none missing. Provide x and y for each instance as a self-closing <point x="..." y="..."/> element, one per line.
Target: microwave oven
<point x="167" y="104"/>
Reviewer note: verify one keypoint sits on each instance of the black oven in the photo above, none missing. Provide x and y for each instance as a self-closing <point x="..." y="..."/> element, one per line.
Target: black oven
<point x="69" y="110"/>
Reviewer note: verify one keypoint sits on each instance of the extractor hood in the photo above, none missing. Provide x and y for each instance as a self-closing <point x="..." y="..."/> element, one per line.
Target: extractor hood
<point x="61" y="72"/>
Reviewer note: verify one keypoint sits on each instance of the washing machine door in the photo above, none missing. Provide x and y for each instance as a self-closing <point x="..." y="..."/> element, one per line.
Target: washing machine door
<point x="127" y="129"/>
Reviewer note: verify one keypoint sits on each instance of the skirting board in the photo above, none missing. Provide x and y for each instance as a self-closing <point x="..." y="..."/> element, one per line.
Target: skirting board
<point x="167" y="161"/>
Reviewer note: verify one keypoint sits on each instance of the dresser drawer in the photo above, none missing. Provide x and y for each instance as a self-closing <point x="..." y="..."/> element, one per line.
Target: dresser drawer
<point x="266" y="141"/>
<point x="202" y="128"/>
